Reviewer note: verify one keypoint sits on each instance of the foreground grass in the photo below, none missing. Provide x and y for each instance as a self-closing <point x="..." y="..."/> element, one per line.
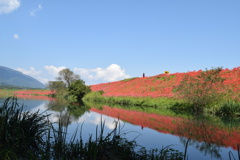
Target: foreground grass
<point x="27" y="135"/>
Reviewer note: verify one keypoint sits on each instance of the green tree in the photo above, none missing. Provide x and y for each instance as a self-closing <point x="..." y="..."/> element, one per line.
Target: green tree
<point x="78" y="89"/>
<point x="67" y="76"/>
<point x="58" y="87"/>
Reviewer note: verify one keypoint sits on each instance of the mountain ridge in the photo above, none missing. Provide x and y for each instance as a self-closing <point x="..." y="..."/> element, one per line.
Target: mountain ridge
<point x="11" y="77"/>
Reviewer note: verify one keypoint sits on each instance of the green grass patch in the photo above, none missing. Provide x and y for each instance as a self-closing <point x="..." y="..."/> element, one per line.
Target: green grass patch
<point x="132" y="101"/>
<point x="129" y="79"/>
<point x="166" y="77"/>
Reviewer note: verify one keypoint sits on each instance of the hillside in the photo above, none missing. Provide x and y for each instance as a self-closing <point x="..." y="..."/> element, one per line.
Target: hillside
<point x="13" y="78"/>
<point x="162" y="85"/>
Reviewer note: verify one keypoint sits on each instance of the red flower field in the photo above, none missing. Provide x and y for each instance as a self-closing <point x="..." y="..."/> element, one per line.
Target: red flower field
<point x="162" y="85"/>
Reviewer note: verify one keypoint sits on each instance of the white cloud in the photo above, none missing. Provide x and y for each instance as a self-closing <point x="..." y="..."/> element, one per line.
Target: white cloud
<point x="53" y="71"/>
<point x="7" y="6"/>
<point x="97" y="119"/>
<point x="91" y="76"/>
<point x="31" y="72"/>
<point x="34" y="73"/>
<point x="16" y="36"/>
<point x="99" y="75"/>
<point x="33" y="12"/>
<point x="49" y="73"/>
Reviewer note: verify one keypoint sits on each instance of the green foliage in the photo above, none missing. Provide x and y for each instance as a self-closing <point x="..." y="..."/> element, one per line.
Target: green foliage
<point x="165" y="77"/>
<point x="101" y="92"/>
<point x="202" y="90"/>
<point x="58" y="87"/>
<point x="229" y="109"/>
<point x="78" y="89"/>
<point x="166" y="153"/>
<point x="69" y="86"/>
<point x="68" y="76"/>
<point x="129" y="79"/>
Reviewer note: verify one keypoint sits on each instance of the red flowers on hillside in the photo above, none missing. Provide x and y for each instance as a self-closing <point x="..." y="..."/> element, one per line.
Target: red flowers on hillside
<point x="162" y="85"/>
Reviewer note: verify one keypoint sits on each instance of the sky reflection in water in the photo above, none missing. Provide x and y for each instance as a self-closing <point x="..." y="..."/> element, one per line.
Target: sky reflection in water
<point x="146" y="137"/>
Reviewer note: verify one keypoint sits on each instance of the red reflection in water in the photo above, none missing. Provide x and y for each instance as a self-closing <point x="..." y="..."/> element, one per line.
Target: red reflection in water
<point x="34" y="97"/>
<point x="199" y="131"/>
<point x="33" y="92"/>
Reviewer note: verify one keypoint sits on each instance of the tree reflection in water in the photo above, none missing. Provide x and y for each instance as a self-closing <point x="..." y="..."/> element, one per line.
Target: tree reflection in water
<point x="68" y="112"/>
<point x="206" y="148"/>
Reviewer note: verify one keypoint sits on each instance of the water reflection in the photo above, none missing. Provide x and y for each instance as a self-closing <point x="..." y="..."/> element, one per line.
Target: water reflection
<point x="202" y="136"/>
<point x="208" y="149"/>
<point x="66" y="112"/>
<point x="206" y="135"/>
<point x="207" y="138"/>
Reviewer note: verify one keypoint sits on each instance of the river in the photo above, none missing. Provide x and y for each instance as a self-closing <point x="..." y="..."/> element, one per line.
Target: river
<point x="207" y="137"/>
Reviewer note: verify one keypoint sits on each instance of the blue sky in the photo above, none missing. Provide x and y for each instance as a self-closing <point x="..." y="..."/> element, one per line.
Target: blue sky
<point x="109" y="40"/>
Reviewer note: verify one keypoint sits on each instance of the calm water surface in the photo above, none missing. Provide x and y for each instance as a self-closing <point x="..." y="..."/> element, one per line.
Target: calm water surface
<point x="208" y="138"/>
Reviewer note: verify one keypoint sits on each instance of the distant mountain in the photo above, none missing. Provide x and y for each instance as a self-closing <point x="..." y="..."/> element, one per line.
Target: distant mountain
<point x="10" y="77"/>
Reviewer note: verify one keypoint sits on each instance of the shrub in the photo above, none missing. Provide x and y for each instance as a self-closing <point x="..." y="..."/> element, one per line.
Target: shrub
<point x="201" y="90"/>
<point x="229" y="108"/>
<point x="78" y="89"/>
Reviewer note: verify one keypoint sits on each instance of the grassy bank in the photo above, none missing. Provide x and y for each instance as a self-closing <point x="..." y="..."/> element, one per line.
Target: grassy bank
<point x="27" y="135"/>
<point x="35" y="92"/>
<point x="223" y="108"/>
<point x="135" y="101"/>
<point x="215" y="91"/>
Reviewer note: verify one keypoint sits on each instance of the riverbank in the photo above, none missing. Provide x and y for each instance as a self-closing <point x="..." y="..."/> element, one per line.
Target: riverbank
<point x="215" y="91"/>
<point x="40" y="92"/>
<point x="164" y="85"/>
<point x="224" y="108"/>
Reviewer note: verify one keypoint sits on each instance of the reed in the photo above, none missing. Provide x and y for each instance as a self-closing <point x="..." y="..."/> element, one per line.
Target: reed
<point x="21" y="132"/>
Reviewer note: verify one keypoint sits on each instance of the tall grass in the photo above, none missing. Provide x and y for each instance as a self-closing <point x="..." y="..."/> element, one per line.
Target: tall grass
<point x="21" y="133"/>
<point x="27" y="135"/>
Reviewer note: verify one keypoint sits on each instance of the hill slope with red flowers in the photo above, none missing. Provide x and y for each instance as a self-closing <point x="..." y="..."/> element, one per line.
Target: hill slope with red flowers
<point x="162" y="85"/>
